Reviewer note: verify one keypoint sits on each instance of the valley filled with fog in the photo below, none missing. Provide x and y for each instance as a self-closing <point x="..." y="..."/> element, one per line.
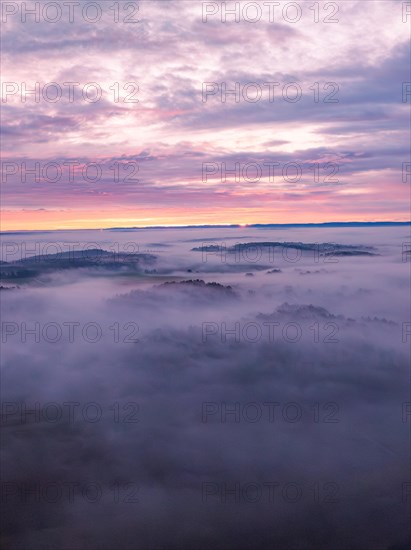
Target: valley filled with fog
<point x="197" y="388"/>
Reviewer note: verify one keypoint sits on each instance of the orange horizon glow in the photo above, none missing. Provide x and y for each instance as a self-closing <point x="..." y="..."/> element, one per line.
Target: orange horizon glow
<point x="57" y="220"/>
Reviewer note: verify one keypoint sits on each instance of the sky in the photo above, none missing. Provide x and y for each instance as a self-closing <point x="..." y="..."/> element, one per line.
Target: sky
<point x="318" y="128"/>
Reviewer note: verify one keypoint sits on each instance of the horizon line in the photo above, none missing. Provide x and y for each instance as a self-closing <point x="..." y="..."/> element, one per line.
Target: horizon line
<point x="216" y="226"/>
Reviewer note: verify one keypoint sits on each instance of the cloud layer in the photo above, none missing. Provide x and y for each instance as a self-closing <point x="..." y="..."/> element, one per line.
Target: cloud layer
<point x="351" y="110"/>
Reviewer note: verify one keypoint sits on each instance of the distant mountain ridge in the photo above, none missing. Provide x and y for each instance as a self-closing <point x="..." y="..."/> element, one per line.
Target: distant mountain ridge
<point x="264" y="225"/>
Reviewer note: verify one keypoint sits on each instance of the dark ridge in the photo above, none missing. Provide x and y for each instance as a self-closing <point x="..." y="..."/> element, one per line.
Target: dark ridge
<point x="325" y="248"/>
<point x="321" y="248"/>
<point x="196" y="283"/>
<point x="86" y="255"/>
<point x="97" y="259"/>
<point x="310" y="312"/>
<point x="309" y="272"/>
<point x="193" y="289"/>
<point x="305" y="311"/>
<point x="350" y="253"/>
<point x="207" y="248"/>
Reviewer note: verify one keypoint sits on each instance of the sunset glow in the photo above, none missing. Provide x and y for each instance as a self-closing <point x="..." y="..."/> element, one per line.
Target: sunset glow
<point x="152" y="112"/>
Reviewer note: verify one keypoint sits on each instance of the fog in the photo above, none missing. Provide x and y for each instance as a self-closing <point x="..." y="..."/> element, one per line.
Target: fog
<point x="224" y="397"/>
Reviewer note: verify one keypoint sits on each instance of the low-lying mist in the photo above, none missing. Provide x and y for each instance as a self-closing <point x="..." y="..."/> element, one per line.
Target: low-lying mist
<point x="195" y="391"/>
